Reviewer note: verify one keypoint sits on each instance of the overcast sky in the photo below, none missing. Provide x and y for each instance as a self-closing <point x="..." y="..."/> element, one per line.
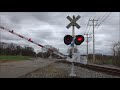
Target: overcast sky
<point x="49" y="28"/>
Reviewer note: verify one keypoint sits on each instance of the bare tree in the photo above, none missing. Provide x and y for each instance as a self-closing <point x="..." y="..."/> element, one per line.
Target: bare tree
<point x="116" y="52"/>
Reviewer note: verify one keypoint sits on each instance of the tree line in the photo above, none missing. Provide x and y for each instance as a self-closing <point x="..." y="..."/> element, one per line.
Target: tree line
<point x="114" y="59"/>
<point x="13" y="49"/>
<point x="116" y="53"/>
<point x="47" y="53"/>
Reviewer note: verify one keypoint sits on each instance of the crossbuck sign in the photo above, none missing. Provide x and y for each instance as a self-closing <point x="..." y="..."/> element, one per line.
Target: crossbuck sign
<point x="73" y="22"/>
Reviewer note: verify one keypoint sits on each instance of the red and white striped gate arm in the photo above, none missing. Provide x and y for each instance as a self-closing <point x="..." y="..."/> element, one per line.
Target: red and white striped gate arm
<point x="29" y="39"/>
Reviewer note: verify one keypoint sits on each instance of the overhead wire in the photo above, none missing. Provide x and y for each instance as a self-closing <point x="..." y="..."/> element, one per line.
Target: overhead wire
<point x="93" y="13"/>
<point x="88" y="26"/>
<point x="100" y="16"/>
<point x="95" y="16"/>
<point x="104" y="19"/>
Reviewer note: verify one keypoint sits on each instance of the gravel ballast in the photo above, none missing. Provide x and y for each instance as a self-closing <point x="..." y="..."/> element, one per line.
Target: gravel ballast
<point x="62" y="70"/>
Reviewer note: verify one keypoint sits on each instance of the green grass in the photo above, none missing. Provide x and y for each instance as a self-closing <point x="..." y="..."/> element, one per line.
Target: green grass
<point x="109" y="61"/>
<point x="17" y="57"/>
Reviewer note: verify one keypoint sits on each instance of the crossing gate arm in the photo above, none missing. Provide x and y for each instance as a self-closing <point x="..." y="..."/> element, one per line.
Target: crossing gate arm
<point x="30" y="40"/>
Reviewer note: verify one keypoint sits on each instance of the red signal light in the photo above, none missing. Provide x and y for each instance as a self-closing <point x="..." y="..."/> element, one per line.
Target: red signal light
<point x="79" y="39"/>
<point x="68" y="39"/>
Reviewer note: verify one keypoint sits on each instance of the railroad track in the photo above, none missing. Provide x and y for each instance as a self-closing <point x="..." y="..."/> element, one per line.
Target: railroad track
<point x="99" y="68"/>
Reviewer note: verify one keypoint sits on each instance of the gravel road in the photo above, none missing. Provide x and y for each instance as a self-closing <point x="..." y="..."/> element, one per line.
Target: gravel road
<point x="62" y="70"/>
<point x="45" y="68"/>
<point x="19" y="68"/>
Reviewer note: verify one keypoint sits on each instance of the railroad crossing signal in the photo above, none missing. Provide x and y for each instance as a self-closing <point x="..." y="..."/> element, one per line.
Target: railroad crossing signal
<point x="73" y="22"/>
<point x="72" y="40"/>
<point x="68" y="39"/>
<point x="79" y="39"/>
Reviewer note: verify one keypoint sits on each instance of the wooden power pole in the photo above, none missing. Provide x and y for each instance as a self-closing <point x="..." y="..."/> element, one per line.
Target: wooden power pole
<point x="93" y="24"/>
<point x="87" y="36"/>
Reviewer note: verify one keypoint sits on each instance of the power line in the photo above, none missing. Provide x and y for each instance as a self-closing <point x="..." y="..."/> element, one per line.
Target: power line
<point x="100" y="16"/>
<point x="104" y="19"/>
<point x="89" y="28"/>
<point x="93" y="21"/>
<point x="96" y="14"/>
<point x="87" y="42"/>
<point x="88" y="21"/>
<point x="88" y="24"/>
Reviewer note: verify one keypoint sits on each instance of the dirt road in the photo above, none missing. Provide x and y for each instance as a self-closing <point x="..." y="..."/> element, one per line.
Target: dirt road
<point x="16" y="69"/>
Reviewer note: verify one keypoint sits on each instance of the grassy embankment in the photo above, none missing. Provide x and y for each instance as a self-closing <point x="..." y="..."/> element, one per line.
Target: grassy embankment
<point x="4" y="58"/>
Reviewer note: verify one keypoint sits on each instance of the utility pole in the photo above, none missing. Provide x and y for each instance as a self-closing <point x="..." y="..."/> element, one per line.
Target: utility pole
<point x="87" y="42"/>
<point x="93" y="21"/>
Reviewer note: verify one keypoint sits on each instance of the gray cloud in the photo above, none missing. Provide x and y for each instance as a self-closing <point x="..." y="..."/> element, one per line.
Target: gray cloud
<point x="49" y="28"/>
